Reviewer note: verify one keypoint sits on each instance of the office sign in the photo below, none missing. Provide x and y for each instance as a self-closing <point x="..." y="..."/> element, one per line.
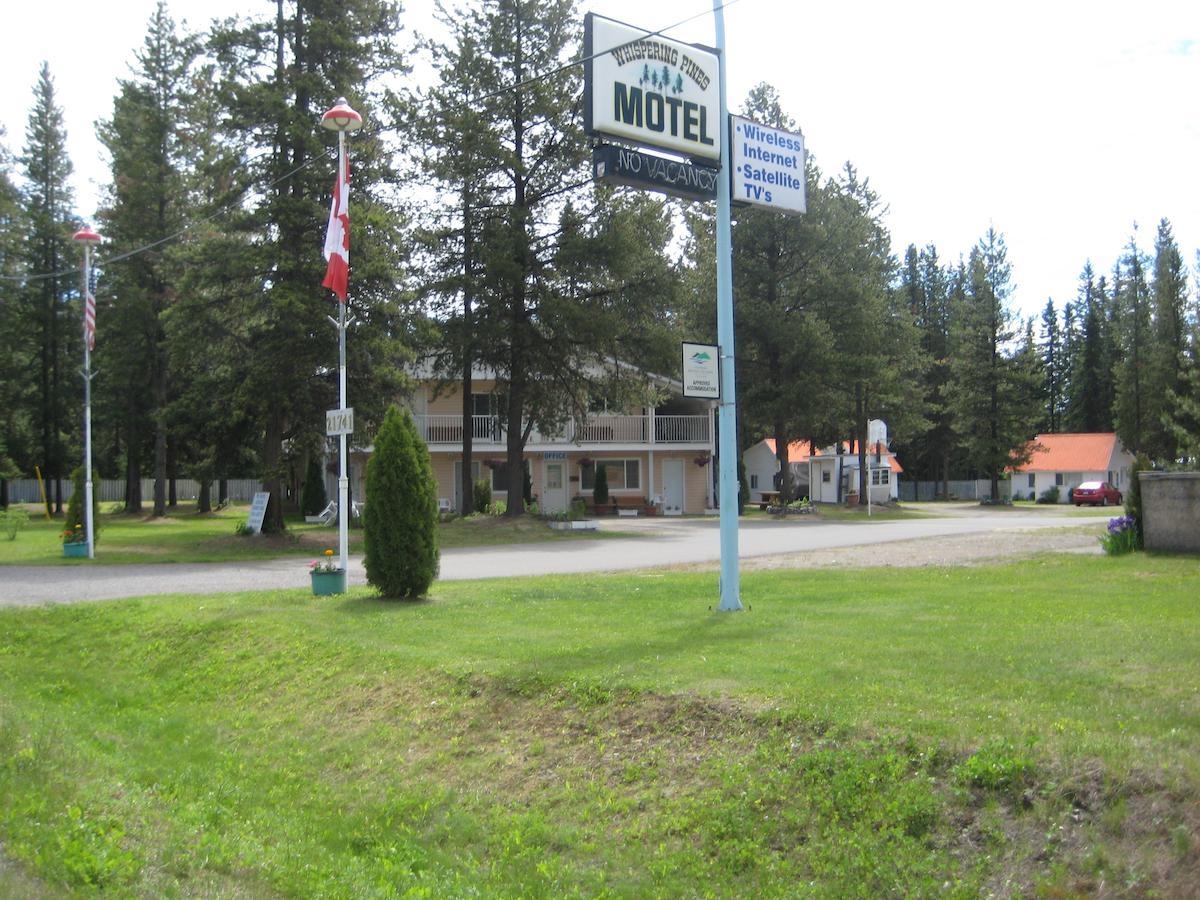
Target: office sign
<point x="339" y="421"/>
<point x="258" y="512"/>
<point x="766" y="166"/>
<point x="620" y="165"/>
<point x="650" y="90"/>
<point x="701" y="371"/>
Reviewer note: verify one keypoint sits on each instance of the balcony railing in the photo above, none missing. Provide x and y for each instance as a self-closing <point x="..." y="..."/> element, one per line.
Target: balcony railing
<point x="438" y="429"/>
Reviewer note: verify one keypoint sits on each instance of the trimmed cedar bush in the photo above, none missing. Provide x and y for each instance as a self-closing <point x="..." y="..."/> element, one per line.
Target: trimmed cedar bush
<point x="600" y="485"/>
<point x="400" y="519"/>
<point x="482" y="496"/>
<point x="75" y="504"/>
<point x="313" y="499"/>
<point x="1133" y="498"/>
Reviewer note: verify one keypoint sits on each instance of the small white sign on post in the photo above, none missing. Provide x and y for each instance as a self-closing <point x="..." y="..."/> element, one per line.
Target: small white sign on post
<point x="339" y="421"/>
<point x="258" y="512"/>
<point x="701" y="371"/>
<point x="767" y="166"/>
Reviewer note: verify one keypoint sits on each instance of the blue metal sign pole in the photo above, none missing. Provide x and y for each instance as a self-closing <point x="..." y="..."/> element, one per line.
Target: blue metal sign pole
<point x="730" y="582"/>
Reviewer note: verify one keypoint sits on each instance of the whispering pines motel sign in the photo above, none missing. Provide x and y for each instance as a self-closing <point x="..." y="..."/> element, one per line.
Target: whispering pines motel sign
<point x="652" y="92"/>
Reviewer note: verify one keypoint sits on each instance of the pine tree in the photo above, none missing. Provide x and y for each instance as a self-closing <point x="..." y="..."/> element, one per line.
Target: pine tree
<point x="1167" y="359"/>
<point x="400" y="522"/>
<point x="17" y="396"/>
<point x="147" y="201"/>
<point x="276" y="77"/>
<point x="990" y="390"/>
<point x="53" y="322"/>
<point x="1053" y="368"/>
<point x="1133" y="410"/>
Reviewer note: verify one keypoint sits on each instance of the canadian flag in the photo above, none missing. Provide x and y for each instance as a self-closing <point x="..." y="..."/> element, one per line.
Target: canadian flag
<point x="337" y="238"/>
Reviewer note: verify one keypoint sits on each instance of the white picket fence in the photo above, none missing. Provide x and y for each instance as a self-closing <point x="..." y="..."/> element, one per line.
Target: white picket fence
<point x="25" y="490"/>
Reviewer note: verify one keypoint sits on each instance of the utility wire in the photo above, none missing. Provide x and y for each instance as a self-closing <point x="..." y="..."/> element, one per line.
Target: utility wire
<point x="542" y="76"/>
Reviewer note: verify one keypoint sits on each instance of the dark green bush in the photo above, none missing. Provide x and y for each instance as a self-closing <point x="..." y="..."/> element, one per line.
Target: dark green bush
<point x="600" y="485"/>
<point x="400" y="518"/>
<point x="1133" y="497"/>
<point x="1049" y="495"/>
<point x="313" y="498"/>
<point x="75" y="504"/>
<point x="482" y="496"/>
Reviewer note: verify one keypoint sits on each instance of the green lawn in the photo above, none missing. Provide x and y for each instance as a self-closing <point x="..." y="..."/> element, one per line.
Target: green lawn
<point x="1032" y="728"/>
<point x="185" y="536"/>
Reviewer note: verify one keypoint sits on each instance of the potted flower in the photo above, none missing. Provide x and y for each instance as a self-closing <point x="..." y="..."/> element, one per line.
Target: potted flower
<point x="75" y="542"/>
<point x="327" y="576"/>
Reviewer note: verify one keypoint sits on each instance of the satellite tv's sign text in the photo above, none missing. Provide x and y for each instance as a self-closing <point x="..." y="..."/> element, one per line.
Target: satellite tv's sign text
<point x="651" y="91"/>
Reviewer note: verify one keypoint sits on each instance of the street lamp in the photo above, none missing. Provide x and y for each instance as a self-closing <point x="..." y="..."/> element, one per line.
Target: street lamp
<point x="88" y="239"/>
<point x="341" y="118"/>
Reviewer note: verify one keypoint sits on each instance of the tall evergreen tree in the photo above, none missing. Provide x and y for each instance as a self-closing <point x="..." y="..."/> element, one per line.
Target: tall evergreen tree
<point x="54" y="321"/>
<point x="147" y="201"/>
<point x="1133" y="410"/>
<point x="278" y="75"/>
<point x="1053" y="368"/>
<point x="1167" y="359"/>
<point x="17" y="395"/>
<point x="990" y="389"/>
<point x="1089" y="406"/>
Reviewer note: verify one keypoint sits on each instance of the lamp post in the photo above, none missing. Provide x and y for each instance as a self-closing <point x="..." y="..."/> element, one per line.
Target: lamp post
<point x="88" y="239"/>
<point x="341" y="118"/>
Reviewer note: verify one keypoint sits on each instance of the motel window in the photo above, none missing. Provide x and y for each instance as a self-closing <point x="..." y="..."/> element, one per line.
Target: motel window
<point x="623" y="474"/>
<point x="1058" y="479"/>
<point x="754" y="482"/>
<point x="880" y="476"/>
<point x="825" y="479"/>
<point x="500" y="478"/>
<point x="1032" y="480"/>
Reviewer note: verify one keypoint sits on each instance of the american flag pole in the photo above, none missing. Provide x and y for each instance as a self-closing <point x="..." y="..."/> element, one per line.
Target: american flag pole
<point x="87" y="237"/>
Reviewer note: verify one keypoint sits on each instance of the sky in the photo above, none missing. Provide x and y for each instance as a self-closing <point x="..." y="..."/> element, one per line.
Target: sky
<point x="1069" y="126"/>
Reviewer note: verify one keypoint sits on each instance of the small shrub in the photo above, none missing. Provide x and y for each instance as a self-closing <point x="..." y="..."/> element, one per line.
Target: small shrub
<point x="242" y="528"/>
<point x="482" y="495"/>
<point x="1133" y="497"/>
<point x="313" y="498"/>
<point x="12" y="520"/>
<point x="1121" y="536"/>
<point x="578" y="509"/>
<point x="1049" y="495"/>
<point x="400" y="520"/>
<point x="75" y="504"/>
<point x="496" y="508"/>
<point x="600" y="485"/>
<point x="997" y="766"/>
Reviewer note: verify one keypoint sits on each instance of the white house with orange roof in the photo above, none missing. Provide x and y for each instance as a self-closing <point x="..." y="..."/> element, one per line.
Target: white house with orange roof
<point x="1066" y="460"/>
<point x="816" y="474"/>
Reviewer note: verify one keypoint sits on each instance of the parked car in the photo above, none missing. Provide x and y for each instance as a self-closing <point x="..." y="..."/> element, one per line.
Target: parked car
<point x="1095" y="493"/>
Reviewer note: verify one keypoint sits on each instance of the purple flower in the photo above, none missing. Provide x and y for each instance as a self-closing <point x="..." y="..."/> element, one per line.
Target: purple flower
<point x="1120" y="524"/>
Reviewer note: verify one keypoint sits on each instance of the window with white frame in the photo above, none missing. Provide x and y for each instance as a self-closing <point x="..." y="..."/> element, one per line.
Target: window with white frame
<point x="1032" y="480"/>
<point x="880" y="476"/>
<point x="825" y="476"/>
<point x="623" y="474"/>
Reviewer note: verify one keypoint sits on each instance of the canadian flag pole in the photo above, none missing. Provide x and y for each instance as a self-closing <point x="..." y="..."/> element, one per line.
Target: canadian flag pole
<point x="341" y="118"/>
<point x="88" y="239"/>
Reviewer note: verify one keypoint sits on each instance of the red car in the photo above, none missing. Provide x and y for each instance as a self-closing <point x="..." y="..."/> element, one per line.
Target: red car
<point x="1096" y="493"/>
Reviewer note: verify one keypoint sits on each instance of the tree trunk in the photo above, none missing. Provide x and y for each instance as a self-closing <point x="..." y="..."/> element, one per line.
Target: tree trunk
<point x="172" y="475"/>
<point x="204" y="500"/>
<point x="272" y="482"/>
<point x="515" y="444"/>
<point x="860" y="435"/>
<point x="160" y="470"/>
<point x="133" y="481"/>
<point x="466" y="488"/>
<point x="782" y="457"/>
<point x="223" y="491"/>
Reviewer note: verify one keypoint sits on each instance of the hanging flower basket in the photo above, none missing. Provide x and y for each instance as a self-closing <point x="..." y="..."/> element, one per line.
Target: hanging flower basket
<point x="494" y="463"/>
<point x="701" y="461"/>
<point x="586" y="462"/>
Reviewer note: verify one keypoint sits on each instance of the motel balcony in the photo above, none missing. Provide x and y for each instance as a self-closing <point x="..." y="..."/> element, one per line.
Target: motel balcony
<point x="597" y="432"/>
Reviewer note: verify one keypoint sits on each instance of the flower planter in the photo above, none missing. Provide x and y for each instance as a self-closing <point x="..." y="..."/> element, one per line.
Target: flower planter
<point x="577" y="525"/>
<point x="326" y="583"/>
<point x="76" y="549"/>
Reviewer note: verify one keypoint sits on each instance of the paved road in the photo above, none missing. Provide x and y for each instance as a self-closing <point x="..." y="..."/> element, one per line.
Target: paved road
<point x="662" y="542"/>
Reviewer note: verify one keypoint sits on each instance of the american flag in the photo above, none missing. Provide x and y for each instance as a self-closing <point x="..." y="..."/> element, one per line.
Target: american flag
<point x="89" y="311"/>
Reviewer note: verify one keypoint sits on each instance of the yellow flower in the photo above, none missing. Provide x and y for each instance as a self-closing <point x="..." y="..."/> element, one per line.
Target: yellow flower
<point x="329" y="553"/>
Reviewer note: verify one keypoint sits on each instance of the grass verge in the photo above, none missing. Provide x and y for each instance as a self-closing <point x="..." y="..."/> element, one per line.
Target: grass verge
<point x="866" y="732"/>
<point x="184" y="536"/>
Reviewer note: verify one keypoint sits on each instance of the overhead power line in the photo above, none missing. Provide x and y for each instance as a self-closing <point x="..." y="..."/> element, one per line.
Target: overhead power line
<point x="228" y="207"/>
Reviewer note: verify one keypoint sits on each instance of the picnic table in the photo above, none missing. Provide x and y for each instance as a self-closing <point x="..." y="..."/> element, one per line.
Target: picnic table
<point x="769" y="498"/>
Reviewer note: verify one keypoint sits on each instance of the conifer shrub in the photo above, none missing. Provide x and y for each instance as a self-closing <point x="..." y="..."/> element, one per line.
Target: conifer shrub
<point x="600" y="485"/>
<point x="400" y="518"/>
<point x="75" y="504"/>
<point x="313" y="498"/>
<point x="482" y="497"/>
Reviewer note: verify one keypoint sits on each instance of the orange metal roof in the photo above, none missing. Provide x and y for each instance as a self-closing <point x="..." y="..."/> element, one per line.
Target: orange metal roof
<point x="1072" y="452"/>
<point x="801" y="451"/>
